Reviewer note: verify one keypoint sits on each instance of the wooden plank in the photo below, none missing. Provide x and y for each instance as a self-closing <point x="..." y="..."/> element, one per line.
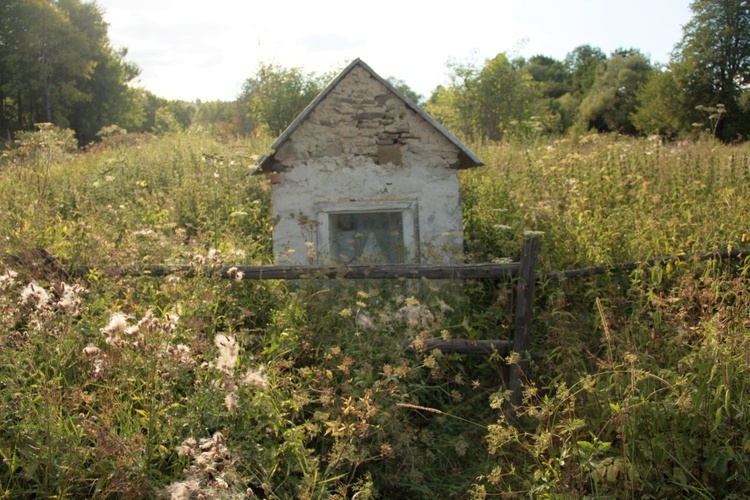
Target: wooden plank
<point x="468" y="346"/>
<point x="522" y="320"/>
<point x="379" y="271"/>
<point x="729" y="254"/>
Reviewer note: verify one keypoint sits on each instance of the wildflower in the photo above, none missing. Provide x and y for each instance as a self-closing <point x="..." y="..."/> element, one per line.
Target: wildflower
<point x="117" y="324"/>
<point x="171" y="322"/>
<point x="91" y="350"/>
<point x="33" y="293"/>
<point x="186" y="448"/>
<point x="148" y="323"/>
<point x="181" y="354"/>
<point x="98" y="364"/>
<point x="228" y="351"/>
<point x="228" y="384"/>
<point x="444" y="307"/>
<point x="256" y="377"/>
<point x="461" y="446"/>
<point x="185" y="490"/>
<point x="631" y="358"/>
<point x="69" y="300"/>
<point x="346" y="363"/>
<point x="230" y="401"/>
<point x="8" y="279"/>
<point x="206" y="444"/>
<point x="345" y="313"/>
<point x="235" y="274"/>
<point x="364" y="322"/>
<point x="431" y="361"/>
<point x="417" y="316"/>
<point x="133" y="329"/>
<point x="513" y="358"/>
<point x="533" y="234"/>
<point x="213" y="256"/>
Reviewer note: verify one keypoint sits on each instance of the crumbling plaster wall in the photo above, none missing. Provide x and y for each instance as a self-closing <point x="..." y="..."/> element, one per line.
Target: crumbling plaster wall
<point x="363" y="144"/>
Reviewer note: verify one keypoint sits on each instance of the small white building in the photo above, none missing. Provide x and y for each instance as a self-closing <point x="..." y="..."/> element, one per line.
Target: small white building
<point x="364" y="175"/>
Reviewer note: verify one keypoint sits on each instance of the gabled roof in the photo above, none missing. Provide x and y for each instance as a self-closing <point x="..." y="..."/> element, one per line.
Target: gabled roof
<point x="467" y="158"/>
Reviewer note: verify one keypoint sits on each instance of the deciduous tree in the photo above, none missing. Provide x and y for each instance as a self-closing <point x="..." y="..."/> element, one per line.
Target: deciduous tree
<point x="57" y="65"/>
<point x="712" y="61"/>
<point x="612" y="99"/>
<point x="275" y="95"/>
<point x="661" y="107"/>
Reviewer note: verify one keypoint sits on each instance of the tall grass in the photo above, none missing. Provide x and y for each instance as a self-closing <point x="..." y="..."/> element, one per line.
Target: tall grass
<point x="139" y="199"/>
<point x="603" y="199"/>
<point x="142" y="387"/>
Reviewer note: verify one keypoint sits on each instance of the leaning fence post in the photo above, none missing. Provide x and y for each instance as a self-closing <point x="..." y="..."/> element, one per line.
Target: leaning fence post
<point x="522" y="327"/>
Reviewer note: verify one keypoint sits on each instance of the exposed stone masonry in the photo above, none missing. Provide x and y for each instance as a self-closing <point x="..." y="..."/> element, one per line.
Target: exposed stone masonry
<point x="360" y="117"/>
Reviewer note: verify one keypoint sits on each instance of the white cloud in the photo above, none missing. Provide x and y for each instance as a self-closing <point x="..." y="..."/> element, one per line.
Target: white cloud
<point x="190" y="49"/>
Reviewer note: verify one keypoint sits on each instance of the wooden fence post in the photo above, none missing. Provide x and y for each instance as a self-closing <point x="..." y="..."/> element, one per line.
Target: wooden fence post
<point x="522" y="319"/>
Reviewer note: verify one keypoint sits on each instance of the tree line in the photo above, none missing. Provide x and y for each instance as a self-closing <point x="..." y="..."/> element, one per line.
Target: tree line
<point x="57" y="65"/>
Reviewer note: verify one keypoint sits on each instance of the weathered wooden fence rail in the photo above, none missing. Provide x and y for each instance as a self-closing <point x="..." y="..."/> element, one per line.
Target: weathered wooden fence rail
<point x="369" y="271"/>
<point x="391" y="271"/>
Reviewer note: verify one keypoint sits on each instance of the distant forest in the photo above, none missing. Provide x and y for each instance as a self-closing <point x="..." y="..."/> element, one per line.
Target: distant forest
<point x="58" y="66"/>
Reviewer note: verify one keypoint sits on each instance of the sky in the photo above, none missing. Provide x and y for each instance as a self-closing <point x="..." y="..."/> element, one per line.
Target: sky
<point x="206" y="49"/>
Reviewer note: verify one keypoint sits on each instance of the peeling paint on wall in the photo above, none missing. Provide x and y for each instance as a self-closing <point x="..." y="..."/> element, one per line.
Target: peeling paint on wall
<point x="364" y="149"/>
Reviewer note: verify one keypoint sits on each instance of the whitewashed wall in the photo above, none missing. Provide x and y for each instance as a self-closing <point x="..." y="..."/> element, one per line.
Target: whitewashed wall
<point x="362" y="148"/>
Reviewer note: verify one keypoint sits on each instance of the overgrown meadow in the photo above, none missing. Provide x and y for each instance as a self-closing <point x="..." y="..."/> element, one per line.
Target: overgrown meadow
<point x="124" y="386"/>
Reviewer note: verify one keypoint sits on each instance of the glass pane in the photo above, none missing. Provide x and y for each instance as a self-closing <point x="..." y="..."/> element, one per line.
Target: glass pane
<point x="367" y="237"/>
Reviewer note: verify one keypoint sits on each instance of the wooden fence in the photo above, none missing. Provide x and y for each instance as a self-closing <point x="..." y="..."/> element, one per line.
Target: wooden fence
<point x="523" y="275"/>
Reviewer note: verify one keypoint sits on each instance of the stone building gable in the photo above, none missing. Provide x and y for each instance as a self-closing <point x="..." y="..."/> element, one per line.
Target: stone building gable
<point x="361" y="115"/>
<point x="365" y="175"/>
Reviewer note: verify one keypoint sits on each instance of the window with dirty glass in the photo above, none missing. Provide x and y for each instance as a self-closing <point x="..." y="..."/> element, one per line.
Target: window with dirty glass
<point x="367" y="237"/>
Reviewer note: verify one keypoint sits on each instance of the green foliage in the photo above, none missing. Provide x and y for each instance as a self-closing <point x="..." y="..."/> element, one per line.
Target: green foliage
<point x="275" y="95"/>
<point x="602" y="200"/>
<point x="660" y="109"/>
<point x="405" y="89"/>
<point x="135" y="199"/>
<point x="116" y="386"/>
<point x="656" y="412"/>
<point x="484" y="103"/>
<point x="57" y="66"/>
<point x="583" y="65"/>
<point x="222" y="119"/>
<point x="712" y="62"/>
<point x="612" y="99"/>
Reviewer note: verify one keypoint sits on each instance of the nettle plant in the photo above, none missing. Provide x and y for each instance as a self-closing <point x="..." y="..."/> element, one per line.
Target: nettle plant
<point x="655" y="409"/>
